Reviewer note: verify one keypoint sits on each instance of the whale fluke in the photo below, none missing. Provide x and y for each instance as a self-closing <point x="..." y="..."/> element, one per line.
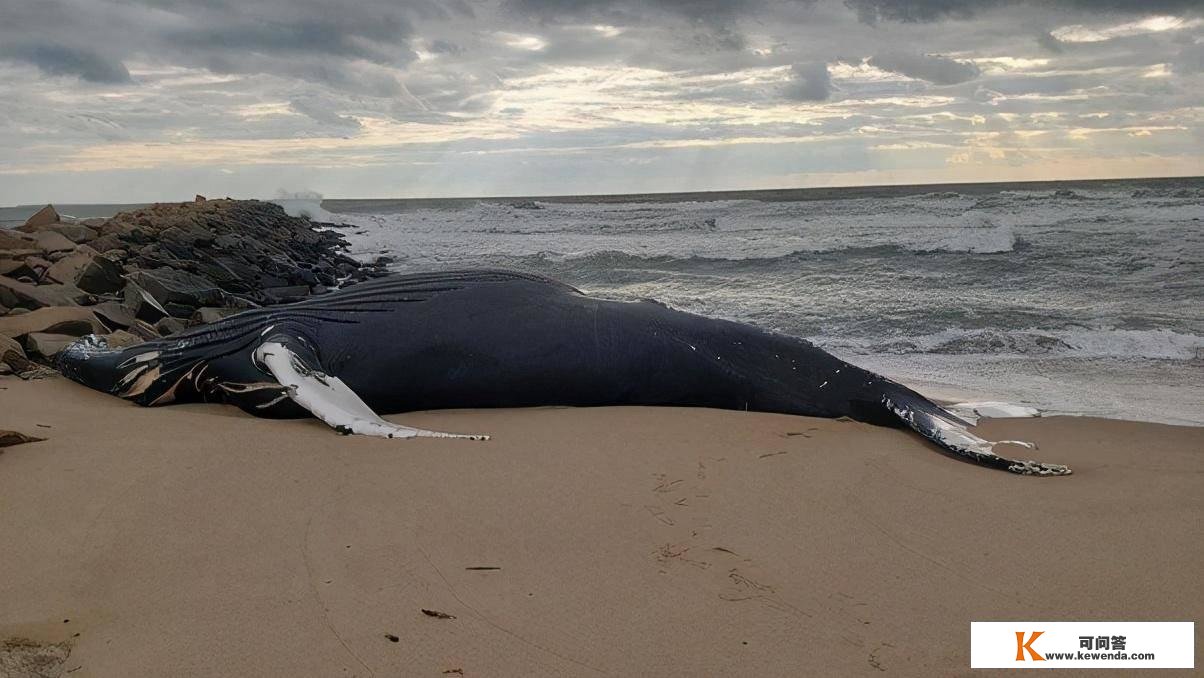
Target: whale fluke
<point x="949" y="433"/>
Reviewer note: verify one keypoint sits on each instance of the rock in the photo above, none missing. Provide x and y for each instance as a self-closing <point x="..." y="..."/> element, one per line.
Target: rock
<point x="10" y="345"/>
<point x="18" y="311"/>
<point x="209" y="314"/>
<point x="48" y="345"/>
<point x="13" y="240"/>
<point x="114" y="314"/>
<point x="142" y="304"/>
<point x="49" y="241"/>
<point x="76" y="233"/>
<point x="168" y="326"/>
<point x="8" y="439"/>
<point x="3" y="310"/>
<point x="121" y="339"/>
<point x="199" y="198"/>
<point x="172" y="286"/>
<point x="32" y="267"/>
<point x="145" y="330"/>
<point x="44" y="216"/>
<point x="38" y="265"/>
<point x="90" y="272"/>
<point x="288" y="293"/>
<point x="8" y="266"/>
<point x="37" y="296"/>
<point x="73" y="320"/>
<point x="5" y="370"/>
<point x="106" y="243"/>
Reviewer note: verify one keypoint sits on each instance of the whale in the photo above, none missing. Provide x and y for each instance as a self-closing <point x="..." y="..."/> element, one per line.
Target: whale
<point x="496" y="338"/>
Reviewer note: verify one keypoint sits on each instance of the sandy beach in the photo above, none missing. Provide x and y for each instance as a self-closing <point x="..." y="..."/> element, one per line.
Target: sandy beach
<point x="195" y="540"/>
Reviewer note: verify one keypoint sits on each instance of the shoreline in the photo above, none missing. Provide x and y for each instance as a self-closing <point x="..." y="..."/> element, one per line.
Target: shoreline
<point x="195" y="539"/>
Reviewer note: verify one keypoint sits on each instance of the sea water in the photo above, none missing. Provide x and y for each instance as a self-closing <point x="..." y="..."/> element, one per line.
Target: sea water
<point x="1083" y="300"/>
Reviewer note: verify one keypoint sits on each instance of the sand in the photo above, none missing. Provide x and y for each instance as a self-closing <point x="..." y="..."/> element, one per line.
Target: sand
<point x="197" y="541"/>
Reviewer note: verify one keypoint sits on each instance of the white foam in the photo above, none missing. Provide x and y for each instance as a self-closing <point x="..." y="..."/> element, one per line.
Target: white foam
<point x="977" y="234"/>
<point x="1081" y="343"/>
<point x="308" y="208"/>
<point x="992" y="409"/>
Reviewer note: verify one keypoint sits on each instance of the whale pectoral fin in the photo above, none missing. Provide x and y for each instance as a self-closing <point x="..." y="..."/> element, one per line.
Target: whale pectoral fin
<point x="950" y="434"/>
<point x="330" y="400"/>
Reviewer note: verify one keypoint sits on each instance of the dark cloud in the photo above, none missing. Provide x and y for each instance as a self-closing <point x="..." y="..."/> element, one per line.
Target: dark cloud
<point x="872" y="11"/>
<point x="80" y="62"/>
<point x="809" y="82"/>
<point x="708" y="11"/>
<point x="440" y="46"/>
<point x="933" y="68"/>
<point x="1047" y="40"/>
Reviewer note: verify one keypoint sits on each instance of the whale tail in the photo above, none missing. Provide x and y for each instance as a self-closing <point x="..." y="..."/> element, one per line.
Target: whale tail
<point x="949" y="432"/>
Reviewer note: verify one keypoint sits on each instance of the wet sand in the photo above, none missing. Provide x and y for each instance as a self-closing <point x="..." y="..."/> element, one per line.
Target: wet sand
<point x="198" y="541"/>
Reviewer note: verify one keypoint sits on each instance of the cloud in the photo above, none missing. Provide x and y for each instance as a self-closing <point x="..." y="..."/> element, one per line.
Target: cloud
<point x="562" y="95"/>
<point x="809" y="82"/>
<point x="322" y="111"/>
<point x="84" y="63"/>
<point x="873" y="11"/>
<point x="1047" y="40"/>
<point x="933" y="68"/>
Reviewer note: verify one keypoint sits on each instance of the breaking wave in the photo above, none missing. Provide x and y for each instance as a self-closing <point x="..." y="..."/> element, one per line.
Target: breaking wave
<point x="1080" y="343"/>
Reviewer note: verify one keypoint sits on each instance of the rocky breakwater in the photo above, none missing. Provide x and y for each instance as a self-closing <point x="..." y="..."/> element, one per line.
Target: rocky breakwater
<point x="152" y="272"/>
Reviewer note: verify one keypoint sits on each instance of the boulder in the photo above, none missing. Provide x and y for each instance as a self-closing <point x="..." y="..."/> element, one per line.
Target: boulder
<point x="76" y="233"/>
<point x="44" y="216"/>
<point x="106" y="242"/>
<point x="37" y="296"/>
<point x="8" y="266"/>
<point x="121" y="339"/>
<point x="114" y="314"/>
<point x="287" y="293"/>
<point x="9" y="345"/>
<point x="72" y="320"/>
<point x="169" y="326"/>
<point x="209" y="314"/>
<point x="13" y="240"/>
<point x="35" y="268"/>
<point x="142" y="304"/>
<point x="176" y="287"/>
<point x="48" y="345"/>
<point x="49" y="241"/>
<point x="144" y="330"/>
<point x="199" y="198"/>
<point x="90" y="272"/>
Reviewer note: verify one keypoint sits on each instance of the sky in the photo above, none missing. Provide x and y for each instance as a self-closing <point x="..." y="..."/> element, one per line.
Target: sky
<point x="142" y="100"/>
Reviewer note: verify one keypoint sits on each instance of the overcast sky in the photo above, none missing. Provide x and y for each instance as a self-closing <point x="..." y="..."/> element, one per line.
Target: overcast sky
<point x="135" y="100"/>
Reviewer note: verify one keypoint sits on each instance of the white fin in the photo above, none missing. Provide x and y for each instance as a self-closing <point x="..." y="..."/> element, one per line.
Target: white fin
<point x="330" y="400"/>
<point x="991" y="409"/>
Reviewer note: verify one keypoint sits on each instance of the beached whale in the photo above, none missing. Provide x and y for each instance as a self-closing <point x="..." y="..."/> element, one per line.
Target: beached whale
<point x="467" y="339"/>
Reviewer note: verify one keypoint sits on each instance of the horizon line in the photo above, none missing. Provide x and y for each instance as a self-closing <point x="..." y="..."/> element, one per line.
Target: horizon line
<point x="653" y="194"/>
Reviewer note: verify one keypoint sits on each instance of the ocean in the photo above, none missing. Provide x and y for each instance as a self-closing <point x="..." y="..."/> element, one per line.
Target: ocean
<point x="1071" y="298"/>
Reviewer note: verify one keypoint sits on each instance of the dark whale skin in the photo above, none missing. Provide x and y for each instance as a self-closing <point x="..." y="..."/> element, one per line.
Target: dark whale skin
<point x="472" y="339"/>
